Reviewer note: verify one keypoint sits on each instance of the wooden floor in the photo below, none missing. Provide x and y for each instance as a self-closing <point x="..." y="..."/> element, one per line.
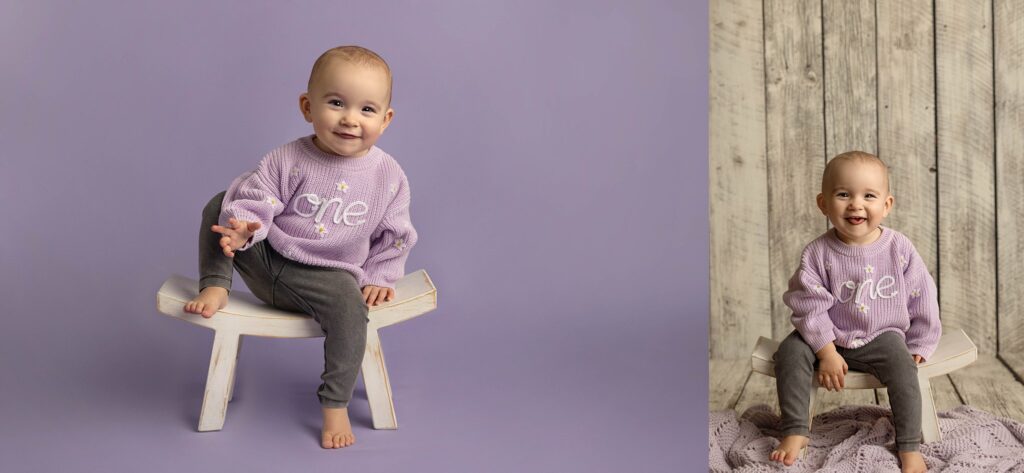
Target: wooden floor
<point x="986" y="384"/>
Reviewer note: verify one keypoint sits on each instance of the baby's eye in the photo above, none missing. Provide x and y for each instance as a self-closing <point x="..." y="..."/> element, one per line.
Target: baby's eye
<point x="870" y="196"/>
<point x="336" y="103"/>
<point x="842" y="194"/>
<point x="369" y="109"/>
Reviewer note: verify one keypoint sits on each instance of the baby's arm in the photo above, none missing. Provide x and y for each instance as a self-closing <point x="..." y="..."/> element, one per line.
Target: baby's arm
<point x="923" y="306"/>
<point x="810" y="301"/>
<point x="250" y="205"/>
<point x="389" y="248"/>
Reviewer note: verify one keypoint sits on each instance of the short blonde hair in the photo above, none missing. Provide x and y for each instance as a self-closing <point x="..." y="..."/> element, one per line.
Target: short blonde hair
<point x="352" y="54"/>
<point x="851" y="156"/>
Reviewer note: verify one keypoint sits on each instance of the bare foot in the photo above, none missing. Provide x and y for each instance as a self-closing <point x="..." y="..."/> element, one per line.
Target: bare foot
<point x="788" y="449"/>
<point x="208" y="302"/>
<point x="337" y="430"/>
<point x="912" y="462"/>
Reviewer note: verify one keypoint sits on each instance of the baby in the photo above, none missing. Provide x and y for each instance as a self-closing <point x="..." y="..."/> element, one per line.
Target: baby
<point x="321" y="226"/>
<point x="862" y="298"/>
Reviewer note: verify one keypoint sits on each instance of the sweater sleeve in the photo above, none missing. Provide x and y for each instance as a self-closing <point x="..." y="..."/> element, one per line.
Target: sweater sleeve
<point x="810" y="301"/>
<point x="923" y="306"/>
<point x="255" y="196"/>
<point x="391" y="242"/>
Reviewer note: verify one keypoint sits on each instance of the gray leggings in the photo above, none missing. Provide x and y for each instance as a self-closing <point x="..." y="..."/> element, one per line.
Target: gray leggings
<point x="885" y="357"/>
<point x="331" y="296"/>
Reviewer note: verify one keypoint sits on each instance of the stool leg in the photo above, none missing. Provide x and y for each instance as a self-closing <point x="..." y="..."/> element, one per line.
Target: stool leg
<point x="231" y="383"/>
<point x="222" y="367"/>
<point x="929" y="419"/>
<point x="378" y="388"/>
<point x="810" y="407"/>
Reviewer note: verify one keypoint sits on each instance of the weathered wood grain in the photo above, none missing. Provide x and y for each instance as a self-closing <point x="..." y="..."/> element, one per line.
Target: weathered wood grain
<point x="850" y="82"/>
<point x="966" y="167"/>
<point x="1009" y="96"/>
<point x="988" y="385"/>
<point x="740" y="300"/>
<point x="760" y="389"/>
<point x="906" y="119"/>
<point x="795" y="139"/>
<point x="725" y="382"/>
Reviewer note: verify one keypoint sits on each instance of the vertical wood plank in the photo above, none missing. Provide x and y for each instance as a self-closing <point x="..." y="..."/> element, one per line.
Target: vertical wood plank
<point x="726" y="381"/>
<point x="966" y="167"/>
<point x="795" y="138"/>
<point x="906" y="119"/>
<point x="740" y="301"/>
<point x="760" y="389"/>
<point x="1009" y="78"/>
<point x="850" y="82"/>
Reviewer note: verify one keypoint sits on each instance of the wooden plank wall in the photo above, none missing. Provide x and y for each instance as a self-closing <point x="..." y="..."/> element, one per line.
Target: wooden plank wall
<point x="737" y="168"/>
<point x="1009" y="98"/>
<point x="933" y="86"/>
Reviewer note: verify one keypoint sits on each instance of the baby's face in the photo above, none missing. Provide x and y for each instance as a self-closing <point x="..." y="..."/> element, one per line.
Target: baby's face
<point x="856" y="201"/>
<point x="348" y="107"/>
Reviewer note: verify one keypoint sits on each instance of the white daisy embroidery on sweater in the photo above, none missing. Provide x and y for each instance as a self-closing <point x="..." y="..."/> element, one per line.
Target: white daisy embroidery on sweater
<point x="869" y="269"/>
<point x="271" y="201"/>
<point x="295" y="171"/>
<point x="321" y="229"/>
<point x="343" y="186"/>
<point x="393" y="188"/>
<point x="863" y="308"/>
<point x="915" y="293"/>
<point x="399" y="244"/>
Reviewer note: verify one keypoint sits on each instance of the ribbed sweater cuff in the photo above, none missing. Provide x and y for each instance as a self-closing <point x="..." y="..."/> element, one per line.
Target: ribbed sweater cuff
<point x="925" y="352"/>
<point x="818" y="340"/>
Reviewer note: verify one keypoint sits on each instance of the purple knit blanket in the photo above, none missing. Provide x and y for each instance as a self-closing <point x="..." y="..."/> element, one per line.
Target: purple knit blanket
<point x="862" y="439"/>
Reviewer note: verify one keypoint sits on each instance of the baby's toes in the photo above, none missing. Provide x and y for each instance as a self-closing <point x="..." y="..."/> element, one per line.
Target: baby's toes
<point x="327" y="441"/>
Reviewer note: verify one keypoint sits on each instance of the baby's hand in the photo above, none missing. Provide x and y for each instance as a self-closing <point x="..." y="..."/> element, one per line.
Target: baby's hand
<point x="918" y="359"/>
<point x="235" y="236"/>
<point x="374" y="295"/>
<point x="831" y="371"/>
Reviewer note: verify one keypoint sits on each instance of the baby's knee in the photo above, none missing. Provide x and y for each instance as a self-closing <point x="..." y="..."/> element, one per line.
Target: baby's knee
<point x="794" y="348"/>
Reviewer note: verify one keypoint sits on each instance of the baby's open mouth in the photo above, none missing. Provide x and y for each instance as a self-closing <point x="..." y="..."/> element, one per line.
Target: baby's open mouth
<point x="856" y="220"/>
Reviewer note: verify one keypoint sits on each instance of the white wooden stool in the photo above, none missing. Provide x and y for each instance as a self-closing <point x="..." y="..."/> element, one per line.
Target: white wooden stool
<point x="954" y="352"/>
<point x="244" y="314"/>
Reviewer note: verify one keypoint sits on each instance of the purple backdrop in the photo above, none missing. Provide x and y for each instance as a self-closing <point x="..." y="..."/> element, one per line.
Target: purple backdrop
<point x="557" y="157"/>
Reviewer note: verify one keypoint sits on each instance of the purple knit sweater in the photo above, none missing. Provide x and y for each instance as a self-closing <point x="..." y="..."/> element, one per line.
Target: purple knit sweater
<point x="852" y="294"/>
<point x="327" y="210"/>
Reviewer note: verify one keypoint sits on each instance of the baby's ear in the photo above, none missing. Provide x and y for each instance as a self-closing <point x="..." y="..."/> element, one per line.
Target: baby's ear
<point x="304" y="107"/>
<point x="821" y="202"/>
